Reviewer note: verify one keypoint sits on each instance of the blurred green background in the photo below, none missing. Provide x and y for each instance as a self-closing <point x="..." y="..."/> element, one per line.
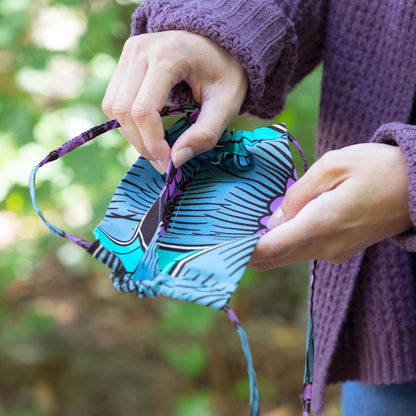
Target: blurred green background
<point x="69" y="343"/>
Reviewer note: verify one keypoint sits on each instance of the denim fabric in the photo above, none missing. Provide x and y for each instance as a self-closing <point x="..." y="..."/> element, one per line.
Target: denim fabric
<point x="386" y="400"/>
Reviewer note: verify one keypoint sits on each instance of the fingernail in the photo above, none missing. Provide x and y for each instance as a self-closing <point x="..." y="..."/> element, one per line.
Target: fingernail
<point x="156" y="164"/>
<point x="181" y="156"/>
<point x="276" y="219"/>
<point x="163" y="166"/>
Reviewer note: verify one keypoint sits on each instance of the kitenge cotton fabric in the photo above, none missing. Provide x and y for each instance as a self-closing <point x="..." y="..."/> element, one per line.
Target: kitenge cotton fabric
<point x="364" y="309"/>
<point x="203" y="221"/>
<point x="189" y="234"/>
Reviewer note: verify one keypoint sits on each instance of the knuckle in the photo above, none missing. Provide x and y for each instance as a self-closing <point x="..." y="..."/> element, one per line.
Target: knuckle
<point x="175" y="71"/>
<point x="170" y="44"/>
<point x="141" y="148"/>
<point x="152" y="148"/>
<point x="174" y="67"/>
<point x="129" y="49"/>
<point x="290" y="193"/>
<point x="162" y="52"/>
<point x="207" y="138"/>
<point x="328" y="162"/>
<point x="121" y="110"/>
<point x="134" y="43"/>
<point x="289" y="199"/>
<point x="139" y="111"/>
<point x="178" y="39"/>
<point x="135" y="46"/>
<point x="107" y="107"/>
<point x="290" y="202"/>
<point x="130" y="43"/>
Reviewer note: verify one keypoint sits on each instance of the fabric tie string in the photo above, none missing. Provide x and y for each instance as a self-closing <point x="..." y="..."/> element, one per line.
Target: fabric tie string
<point x="254" y="392"/>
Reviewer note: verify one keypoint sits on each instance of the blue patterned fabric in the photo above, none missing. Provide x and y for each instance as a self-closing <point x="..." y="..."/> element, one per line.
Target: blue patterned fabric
<point x="381" y="400"/>
<point x="189" y="234"/>
<point x="199" y="225"/>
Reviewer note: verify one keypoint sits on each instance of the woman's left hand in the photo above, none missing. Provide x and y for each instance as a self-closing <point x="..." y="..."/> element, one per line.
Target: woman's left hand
<point x="348" y="200"/>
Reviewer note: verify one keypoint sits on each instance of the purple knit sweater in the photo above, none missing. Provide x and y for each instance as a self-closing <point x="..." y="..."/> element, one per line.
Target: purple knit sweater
<point x="364" y="309"/>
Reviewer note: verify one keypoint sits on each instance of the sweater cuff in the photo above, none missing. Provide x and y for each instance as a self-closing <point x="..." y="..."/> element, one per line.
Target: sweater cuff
<point x="256" y="32"/>
<point x="404" y="136"/>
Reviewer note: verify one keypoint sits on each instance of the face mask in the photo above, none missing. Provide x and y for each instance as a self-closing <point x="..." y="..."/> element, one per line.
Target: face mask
<point x="189" y="234"/>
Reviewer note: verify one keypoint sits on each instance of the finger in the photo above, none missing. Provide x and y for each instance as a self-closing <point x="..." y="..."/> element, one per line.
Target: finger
<point x="150" y="100"/>
<point x="116" y="80"/>
<point x="325" y="228"/>
<point x="123" y="109"/>
<point x="123" y="102"/>
<point x="111" y="91"/>
<point x="323" y="176"/>
<point x="122" y="91"/>
<point x="204" y="134"/>
<point x="290" y="242"/>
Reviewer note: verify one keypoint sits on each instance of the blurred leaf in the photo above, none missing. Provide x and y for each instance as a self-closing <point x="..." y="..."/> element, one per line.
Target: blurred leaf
<point x="4" y="313"/>
<point x="185" y="318"/>
<point x="196" y="405"/>
<point x="17" y="340"/>
<point x="249" y="278"/>
<point x="27" y="412"/>
<point x="38" y="323"/>
<point x="15" y="202"/>
<point x="241" y="389"/>
<point x="17" y="116"/>
<point x="12" y="27"/>
<point x="189" y="359"/>
<point x="104" y="28"/>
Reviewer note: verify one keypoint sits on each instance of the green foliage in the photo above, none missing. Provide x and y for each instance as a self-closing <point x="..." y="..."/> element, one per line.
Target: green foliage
<point x="241" y="389"/>
<point x="198" y="404"/>
<point x="189" y="359"/>
<point x="24" y="330"/>
<point x="185" y="318"/>
<point x="27" y="412"/>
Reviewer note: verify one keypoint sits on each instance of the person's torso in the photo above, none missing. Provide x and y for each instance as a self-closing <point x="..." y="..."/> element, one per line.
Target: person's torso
<point x="369" y="70"/>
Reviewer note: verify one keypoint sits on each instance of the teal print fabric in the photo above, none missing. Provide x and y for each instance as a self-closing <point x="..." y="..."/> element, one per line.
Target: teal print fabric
<point x="202" y="221"/>
<point x="189" y="234"/>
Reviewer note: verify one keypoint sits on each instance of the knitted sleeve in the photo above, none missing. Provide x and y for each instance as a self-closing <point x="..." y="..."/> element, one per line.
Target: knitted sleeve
<point x="277" y="42"/>
<point x="404" y="136"/>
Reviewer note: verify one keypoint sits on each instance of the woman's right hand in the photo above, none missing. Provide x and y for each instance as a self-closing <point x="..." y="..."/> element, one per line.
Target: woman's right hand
<point x="149" y="67"/>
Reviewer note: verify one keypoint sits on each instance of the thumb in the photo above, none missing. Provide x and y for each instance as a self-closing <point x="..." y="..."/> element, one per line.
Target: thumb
<point x="313" y="183"/>
<point x="204" y="134"/>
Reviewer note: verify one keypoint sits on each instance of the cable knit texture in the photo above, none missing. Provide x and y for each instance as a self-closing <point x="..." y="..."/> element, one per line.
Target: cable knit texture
<point x="365" y="308"/>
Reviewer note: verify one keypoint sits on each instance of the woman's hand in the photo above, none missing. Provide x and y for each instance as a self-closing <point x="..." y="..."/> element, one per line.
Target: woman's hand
<point x="348" y="200"/>
<point x="149" y="67"/>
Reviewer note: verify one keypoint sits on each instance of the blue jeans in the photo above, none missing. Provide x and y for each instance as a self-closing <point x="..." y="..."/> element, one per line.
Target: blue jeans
<point x="387" y="400"/>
